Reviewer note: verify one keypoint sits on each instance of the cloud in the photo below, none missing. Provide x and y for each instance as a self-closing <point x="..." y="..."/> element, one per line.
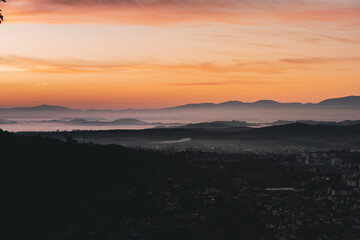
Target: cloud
<point x="221" y="83"/>
<point x="319" y="60"/>
<point x="77" y="66"/>
<point x="342" y="36"/>
<point x="18" y="63"/>
<point x="199" y="83"/>
<point x="159" y="12"/>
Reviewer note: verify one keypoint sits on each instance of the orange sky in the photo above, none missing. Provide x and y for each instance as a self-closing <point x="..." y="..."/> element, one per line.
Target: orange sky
<point x="152" y="53"/>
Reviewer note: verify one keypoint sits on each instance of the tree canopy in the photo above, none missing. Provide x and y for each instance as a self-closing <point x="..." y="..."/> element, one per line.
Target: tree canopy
<point x="1" y="16"/>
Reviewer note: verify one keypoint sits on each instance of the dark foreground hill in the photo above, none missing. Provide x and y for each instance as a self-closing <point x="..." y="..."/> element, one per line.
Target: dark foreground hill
<point x="229" y="138"/>
<point x="70" y="191"/>
<point x="66" y="190"/>
<point x="48" y="181"/>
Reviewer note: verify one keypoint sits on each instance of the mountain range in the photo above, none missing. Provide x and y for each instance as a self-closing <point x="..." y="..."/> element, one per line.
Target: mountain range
<point x="80" y="121"/>
<point x="263" y="111"/>
<point x="342" y="102"/>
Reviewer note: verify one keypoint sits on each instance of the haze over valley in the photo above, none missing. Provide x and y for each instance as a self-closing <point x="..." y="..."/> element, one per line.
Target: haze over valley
<point x="52" y="118"/>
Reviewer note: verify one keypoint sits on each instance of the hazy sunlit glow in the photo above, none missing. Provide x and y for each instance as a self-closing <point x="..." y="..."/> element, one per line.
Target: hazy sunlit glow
<point x="148" y="54"/>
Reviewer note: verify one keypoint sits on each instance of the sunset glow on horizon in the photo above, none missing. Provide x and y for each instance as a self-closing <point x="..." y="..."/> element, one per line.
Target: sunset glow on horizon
<point x="149" y="53"/>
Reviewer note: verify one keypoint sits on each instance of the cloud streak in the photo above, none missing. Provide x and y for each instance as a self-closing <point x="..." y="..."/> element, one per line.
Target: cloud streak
<point x="18" y="63"/>
<point x="221" y="83"/>
<point x="307" y="61"/>
<point x="160" y="12"/>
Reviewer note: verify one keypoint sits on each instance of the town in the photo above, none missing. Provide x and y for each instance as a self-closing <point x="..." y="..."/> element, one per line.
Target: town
<point x="293" y="195"/>
<point x="70" y="190"/>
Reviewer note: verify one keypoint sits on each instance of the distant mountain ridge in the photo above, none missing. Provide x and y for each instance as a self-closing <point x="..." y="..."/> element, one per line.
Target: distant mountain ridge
<point x="312" y="122"/>
<point x="349" y="101"/>
<point x="43" y="107"/>
<point x="342" y="102"/>
<point x="353" y="100"/>
<point x="218" y="124"/>
<point x="236" y="124"/>
<point x="80" y="121"/>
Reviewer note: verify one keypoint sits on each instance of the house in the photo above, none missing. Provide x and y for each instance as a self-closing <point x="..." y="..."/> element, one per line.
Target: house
<point x="336" y="162"/>
<point x="340" y="190"/>
<point x="352" y="183"/>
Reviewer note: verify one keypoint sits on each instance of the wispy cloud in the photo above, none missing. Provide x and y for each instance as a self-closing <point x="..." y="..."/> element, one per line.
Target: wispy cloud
<point x="220" y="83"/>
<point x="199" y="83"/>
<point x="315" y="60"/>
<point x="150" y="12"/>
<point x="320" y="37"/>
<point x="237" y="37"/>
<point x="18" y="63"/>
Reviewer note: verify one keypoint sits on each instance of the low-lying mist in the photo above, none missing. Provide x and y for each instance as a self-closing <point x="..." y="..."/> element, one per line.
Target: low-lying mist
<point x="142" y="119"/>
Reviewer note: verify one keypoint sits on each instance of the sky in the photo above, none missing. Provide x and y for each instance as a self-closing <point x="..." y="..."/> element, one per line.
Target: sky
<point x="156" y="53"/>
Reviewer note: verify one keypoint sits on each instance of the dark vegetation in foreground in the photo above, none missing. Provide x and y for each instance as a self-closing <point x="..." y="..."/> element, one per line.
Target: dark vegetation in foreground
<point x="292" y="136"/>
<point x="67" y="191"/>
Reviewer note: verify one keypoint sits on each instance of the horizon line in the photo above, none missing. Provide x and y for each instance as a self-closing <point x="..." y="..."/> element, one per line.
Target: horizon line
<point x="180" y="105"/>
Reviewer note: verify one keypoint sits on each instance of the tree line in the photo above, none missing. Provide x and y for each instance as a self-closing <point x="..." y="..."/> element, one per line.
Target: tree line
<point x="1" y="16"/>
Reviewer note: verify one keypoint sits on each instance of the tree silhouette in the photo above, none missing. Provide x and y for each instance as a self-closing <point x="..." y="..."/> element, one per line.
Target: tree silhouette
<point x="1" y="16"/>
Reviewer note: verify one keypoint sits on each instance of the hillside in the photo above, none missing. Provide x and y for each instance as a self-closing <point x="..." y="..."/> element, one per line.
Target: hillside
<point x="70" y="191"/>
<point x="218" y="124"/>
<point x="48" y="183"/>
<point x="290" y="136"/>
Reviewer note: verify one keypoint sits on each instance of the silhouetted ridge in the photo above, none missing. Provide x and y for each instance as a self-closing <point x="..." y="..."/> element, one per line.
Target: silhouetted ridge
<point x="302" y="129"/>
<point x="228" y="137"/>
<point x="350" y="100"/>
<point x="40" y="108"/>
<point x="312" y="122"/>
<point x="85" y="122"/>
<point x="231" y="103"/>
<point x="218" y="124"/>
<point x="344" y="102"/>
<point x="193" y="106"/>
<point x="4" y="121"/>
<point x="267" y="102"/>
